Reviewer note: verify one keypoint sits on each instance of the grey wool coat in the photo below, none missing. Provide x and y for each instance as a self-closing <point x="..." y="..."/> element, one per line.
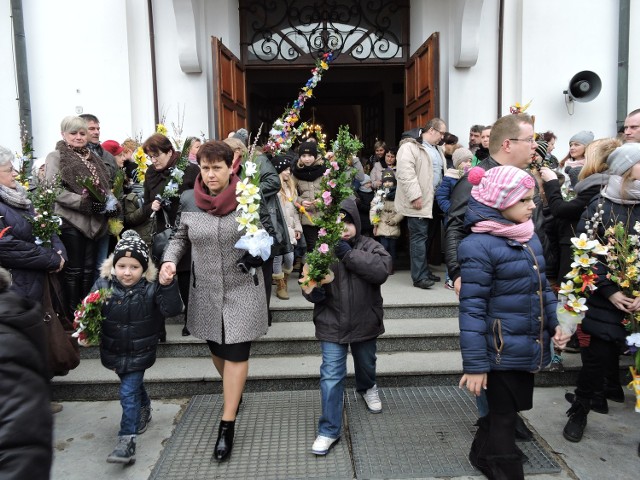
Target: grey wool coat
<point x="220" y="294"/>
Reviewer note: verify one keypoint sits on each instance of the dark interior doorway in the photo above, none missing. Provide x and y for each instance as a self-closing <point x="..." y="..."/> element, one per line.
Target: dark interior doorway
<point x="368" y="99"/>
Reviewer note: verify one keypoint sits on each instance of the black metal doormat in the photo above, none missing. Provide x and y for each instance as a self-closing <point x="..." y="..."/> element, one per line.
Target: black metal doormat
<point x="423" y="432"/>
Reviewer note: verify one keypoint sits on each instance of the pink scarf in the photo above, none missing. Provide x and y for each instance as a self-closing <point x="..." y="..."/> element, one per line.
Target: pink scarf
<point x="520" y="232"/>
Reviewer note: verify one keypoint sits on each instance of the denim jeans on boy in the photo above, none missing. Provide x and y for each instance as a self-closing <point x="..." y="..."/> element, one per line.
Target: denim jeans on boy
<point x="418" y="247"/>
<point x="389" y="244"/>
<point x="133" y="396"/>
<point x="333" y="373"/>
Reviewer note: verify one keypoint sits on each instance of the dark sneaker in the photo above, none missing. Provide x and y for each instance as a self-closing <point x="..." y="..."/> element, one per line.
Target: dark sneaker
<point x="145" y="418"/>
<point x="424" y="284"/>
<point x="449" y="285"/>
<point x="125" y="451"/>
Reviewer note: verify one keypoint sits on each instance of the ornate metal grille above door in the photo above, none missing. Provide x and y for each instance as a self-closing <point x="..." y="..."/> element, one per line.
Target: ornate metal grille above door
<point x="298" y="31"/>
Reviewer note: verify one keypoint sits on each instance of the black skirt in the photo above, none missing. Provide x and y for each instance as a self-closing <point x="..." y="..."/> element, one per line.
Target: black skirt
<point x="234" y="352"/>
<point x="509" y="391"/>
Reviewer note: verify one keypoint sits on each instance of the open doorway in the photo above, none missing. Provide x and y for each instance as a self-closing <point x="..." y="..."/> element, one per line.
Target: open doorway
<point x="368" y="99"/>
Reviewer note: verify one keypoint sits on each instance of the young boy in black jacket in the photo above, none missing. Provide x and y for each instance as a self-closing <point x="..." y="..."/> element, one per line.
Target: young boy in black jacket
<point x="133" y="315"/>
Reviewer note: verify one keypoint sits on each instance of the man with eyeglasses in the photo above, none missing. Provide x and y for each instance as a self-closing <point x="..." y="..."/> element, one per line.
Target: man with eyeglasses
<point x="511" y="143"/>
<point x="420" y="166"/>
<point x="632" y="127"/>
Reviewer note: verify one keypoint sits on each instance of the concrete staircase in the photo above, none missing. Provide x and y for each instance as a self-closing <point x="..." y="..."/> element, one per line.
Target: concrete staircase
<point x="420" y="347"/>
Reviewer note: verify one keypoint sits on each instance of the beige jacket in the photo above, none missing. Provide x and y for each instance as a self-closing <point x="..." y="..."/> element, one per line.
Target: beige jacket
<point x="389" y="225"/>
<point x="414" y="174"/>
<point x="68" y="204"/>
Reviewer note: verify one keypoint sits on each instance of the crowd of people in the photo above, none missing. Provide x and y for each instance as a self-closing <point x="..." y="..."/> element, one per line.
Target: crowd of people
<point x="508" y="209"/>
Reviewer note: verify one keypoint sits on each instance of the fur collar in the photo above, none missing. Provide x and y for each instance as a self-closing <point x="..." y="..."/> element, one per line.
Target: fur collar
<point x="107" y="271"/>
<point x="72" y="168"/>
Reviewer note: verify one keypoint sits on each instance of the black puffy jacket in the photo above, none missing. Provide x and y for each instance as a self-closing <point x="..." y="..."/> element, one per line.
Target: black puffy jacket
<point x="25" y="412"/>
<point x="27" y="261"/>
<point x="133" y="318"/>
<point x="602" y="318"/>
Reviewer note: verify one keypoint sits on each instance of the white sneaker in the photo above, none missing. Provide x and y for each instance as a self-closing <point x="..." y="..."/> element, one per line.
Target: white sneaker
<point x="372" y="399"/>
<point x="323" y="444"/>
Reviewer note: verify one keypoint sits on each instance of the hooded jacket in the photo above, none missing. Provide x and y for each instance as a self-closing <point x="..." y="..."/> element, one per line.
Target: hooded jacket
<point x="507" y="310"/>
<point x="352" y="308"/>
<point x="25" y="412"/>
<point x="132" y="318"/>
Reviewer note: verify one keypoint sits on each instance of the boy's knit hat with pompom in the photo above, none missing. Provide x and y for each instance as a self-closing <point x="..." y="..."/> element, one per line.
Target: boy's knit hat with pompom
<point x="500" y="187"/>
<point x="131" y="245"/>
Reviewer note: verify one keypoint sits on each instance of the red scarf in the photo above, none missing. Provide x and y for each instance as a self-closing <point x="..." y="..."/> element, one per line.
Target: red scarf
<point x="222" y="204"/>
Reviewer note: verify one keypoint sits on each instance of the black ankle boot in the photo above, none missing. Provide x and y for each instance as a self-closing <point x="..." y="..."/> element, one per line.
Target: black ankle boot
<point x="224" y="444"/>
<point x="577" y="414"/>
<point x="599" y="402"/>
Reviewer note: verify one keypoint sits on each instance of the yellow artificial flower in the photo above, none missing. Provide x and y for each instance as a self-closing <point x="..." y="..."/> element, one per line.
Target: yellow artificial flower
<point x="324" y="65"/>
<point x="160" y="128"/>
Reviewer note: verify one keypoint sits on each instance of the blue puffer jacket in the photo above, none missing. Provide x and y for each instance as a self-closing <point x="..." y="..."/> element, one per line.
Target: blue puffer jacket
<point x="132" y="319"/>
<point x="27" y="262"/>
<point x="505" y="324"/>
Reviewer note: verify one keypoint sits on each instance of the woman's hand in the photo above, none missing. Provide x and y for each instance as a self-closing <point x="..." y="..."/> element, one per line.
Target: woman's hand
<point x="547" y="174"/>
<point x="635" y="305"/>
<point x="560" y="339"/>
<point x="167" y="272"/>
<point x="61" y="263"/>
<point x="156" y="205"/>
<point x="622" y="302"/>
<point x="307" y="204"/>
<point x="475" y="382"/>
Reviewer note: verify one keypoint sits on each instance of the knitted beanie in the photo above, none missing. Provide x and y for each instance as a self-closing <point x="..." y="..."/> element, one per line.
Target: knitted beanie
<point x="541" y="149"/>
<point x="583" y="137"/>
<point x="131" y="245"/>
<point x="242" y="135"/>
<point x="308" y="148"/>
<point x="623" y="158"/>
<point x="460" y="155"/>
<point x="500" y="187"/>
<point x="389" y="176"/>
<point x="281" y="163"/>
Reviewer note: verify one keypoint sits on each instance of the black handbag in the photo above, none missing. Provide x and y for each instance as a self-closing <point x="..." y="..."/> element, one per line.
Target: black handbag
<point x="159" y="239"/>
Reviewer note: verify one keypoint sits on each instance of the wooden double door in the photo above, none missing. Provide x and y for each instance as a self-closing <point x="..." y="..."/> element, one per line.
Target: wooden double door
<point x="234" y="108"/>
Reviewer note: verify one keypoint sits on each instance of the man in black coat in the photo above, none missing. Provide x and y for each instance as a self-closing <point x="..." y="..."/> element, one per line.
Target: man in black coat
<point x="25" y="412"/>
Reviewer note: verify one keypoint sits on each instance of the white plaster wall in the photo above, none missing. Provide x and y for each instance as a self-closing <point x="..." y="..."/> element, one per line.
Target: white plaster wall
<point x="467" y="95"/>
<point x="77" y="57"/>
<point x="550" y="60"/>
<point x="634" y="56"/>
<point x="9" y="120"/>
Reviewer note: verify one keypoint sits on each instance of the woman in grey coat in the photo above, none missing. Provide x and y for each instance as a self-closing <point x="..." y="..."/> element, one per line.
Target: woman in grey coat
<point x="227" y="307"/>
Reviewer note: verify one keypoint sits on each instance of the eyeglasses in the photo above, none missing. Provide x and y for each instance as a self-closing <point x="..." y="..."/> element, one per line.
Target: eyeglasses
<point x="441" y="133"/>
<point x="528" y="140"/>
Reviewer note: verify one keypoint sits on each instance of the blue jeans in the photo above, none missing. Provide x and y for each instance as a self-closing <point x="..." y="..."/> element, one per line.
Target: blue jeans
<point x="482" y="403"/>
<point x="133" y="396"/>
<point x="333" y="373"/>
<point x="418" y="245"/>
<point x="389" y="244"/>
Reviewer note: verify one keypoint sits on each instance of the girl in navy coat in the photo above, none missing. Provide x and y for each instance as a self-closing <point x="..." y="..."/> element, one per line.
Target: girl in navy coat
<point x="133" y="316"/>
<point x="507" y="311"/>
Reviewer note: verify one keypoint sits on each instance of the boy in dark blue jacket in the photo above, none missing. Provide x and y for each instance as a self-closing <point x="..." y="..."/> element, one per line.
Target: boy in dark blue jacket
<point x="507" y="311"/>
<point x="133" y="316"/>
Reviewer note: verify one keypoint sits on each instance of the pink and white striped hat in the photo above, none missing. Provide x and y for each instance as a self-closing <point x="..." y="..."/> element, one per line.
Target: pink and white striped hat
<point x="500" y="187"/>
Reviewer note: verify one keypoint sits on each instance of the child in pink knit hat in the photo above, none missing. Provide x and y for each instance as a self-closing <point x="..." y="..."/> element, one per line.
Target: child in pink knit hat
<point x="507" y="312"/>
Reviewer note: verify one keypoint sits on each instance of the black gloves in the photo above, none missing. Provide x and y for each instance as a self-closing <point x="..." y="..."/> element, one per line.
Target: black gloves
<point x="317" y="295"/>
<point x="342" y="248"/>
<point x="248" y="261"/>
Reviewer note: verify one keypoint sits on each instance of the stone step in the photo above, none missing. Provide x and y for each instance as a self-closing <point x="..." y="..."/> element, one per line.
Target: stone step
<point x="182" y="377"/>
<point x="298" y="338"/>
<point x="401" y="300"/>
